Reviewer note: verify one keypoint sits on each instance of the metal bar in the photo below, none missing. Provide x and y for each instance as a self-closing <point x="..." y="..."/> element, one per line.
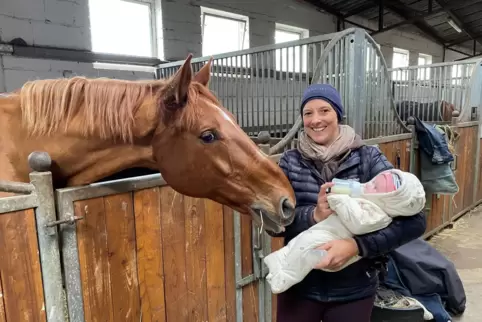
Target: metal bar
<point x="387" y="139"/>
<point x="16" y="187"/>
<point x="70" y="258"/>
<point x="261" y="49"/>
<point x="17" y="203"/>
<point x="48" y="246"/>
<point x="381" y="10"/>
<point x="237" y="266"/>
<point x="81" y="56"/>
<point x="111" y="187"/>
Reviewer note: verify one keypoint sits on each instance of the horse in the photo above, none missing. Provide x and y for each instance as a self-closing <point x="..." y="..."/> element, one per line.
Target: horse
<point x="438" y="111"/>
<point x="93" y="128"/>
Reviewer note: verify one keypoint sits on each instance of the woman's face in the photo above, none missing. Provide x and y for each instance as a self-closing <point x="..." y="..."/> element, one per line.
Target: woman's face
<point x="320" y="121"/>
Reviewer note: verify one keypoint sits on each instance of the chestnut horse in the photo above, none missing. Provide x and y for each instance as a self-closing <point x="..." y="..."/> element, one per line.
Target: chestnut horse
<point x="93" y="128"/>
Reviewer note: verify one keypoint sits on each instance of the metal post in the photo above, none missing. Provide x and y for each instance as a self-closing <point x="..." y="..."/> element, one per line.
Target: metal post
<point x="264" y="290"/>
<point x="47" y="236"/>
<point x="413" y="144"/>
<point x="477" y="163"/>
<point x="3" y="83"/>
<point x="357" y="83"/>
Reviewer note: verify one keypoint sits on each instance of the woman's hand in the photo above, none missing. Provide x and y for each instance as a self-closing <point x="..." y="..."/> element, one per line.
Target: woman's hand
<point x="338" y="253"/>
<point x="322" y="210"/>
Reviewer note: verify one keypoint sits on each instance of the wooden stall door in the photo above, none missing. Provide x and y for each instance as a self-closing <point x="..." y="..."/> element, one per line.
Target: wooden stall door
<point x="21" y="292"/>
<point x="155" y="253"/>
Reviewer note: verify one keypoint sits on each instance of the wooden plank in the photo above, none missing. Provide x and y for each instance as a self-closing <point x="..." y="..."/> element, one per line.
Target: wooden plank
<point x="250" y="291"/>
<point x="460" y="173"/>
<point x="2" y="302"/>
<point x="195" y="259"/>
<point x="276" y="244"/>
<point x="173" y="248"/>
<point x="437" y="211"/>
<point x="93" y="259"/>
<point x="121" y="239"/>
<point x="229" y="262"/>
<point x="470" y="156"/>
<point x="392" y="149"/>
<point x="147" y="212"/>
<point x="20" y="268"/>
<point x="216" y="300"/>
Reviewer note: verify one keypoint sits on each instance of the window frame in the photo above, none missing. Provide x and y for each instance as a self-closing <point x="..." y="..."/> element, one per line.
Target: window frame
<point x="395" y="73"/>
<point x="303" y="33"/>
<point x="206" y="11"/>
<point x="152" y="23"/>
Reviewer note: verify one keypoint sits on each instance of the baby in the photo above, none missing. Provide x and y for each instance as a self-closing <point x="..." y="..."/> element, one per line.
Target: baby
<point x="359" y="209"/>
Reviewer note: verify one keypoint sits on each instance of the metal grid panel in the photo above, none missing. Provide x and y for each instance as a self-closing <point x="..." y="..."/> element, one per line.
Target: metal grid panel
<point x="431" y="92"/>
<point x="263" y="86"/>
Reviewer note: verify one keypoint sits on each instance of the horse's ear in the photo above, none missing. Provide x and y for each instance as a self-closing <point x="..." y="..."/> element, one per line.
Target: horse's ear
<point x="204" y="73"/>
<point x="176" y="95"/>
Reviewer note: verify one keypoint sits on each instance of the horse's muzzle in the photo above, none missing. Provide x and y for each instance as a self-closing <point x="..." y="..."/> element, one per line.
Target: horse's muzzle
<point x="286" y="211"/>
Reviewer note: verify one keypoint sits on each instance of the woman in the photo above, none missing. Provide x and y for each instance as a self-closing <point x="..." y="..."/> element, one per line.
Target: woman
<point x="327" y="150"/>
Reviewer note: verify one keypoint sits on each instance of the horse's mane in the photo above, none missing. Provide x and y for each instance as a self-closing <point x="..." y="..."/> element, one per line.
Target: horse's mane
<point x="103" y="106"/>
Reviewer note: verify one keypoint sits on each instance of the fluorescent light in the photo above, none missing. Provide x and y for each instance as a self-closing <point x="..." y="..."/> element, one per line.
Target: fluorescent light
<point x="454" y="25"/>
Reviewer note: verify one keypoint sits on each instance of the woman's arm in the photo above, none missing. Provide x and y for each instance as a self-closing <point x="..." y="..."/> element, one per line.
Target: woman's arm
<point x="402" y="229"/>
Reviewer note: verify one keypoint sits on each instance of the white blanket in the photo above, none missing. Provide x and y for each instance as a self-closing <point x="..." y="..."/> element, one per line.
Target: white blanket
<point x="353" y="216"/>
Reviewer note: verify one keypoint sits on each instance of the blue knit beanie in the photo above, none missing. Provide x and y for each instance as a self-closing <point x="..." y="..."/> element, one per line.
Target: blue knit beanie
<point x="325" y="92"/>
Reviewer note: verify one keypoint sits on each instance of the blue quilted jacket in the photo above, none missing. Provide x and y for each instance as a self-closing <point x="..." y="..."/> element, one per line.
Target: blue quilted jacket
<point x="360" y="279"/>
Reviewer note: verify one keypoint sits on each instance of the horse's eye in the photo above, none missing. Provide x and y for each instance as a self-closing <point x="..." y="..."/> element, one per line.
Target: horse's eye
<point x="208" y="137"/>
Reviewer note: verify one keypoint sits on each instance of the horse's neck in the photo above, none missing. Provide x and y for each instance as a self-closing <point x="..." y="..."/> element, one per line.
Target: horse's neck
<point x="76" y="160"/>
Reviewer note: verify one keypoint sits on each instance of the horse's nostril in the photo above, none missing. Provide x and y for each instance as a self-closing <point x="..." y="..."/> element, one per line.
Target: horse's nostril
<point x="287" y="210"/>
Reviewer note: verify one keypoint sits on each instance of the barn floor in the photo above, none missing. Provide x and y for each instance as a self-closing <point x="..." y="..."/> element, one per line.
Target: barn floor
<point x="463" y="246"/>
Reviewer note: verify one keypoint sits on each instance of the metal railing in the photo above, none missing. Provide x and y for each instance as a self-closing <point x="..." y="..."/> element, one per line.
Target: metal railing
<point x="432" y="92"/>
<point x="263" y="86"/>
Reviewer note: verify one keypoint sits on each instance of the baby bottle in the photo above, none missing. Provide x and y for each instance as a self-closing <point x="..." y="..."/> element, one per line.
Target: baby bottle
<point x="347" y="187"/>
<point x="314" y="256"/>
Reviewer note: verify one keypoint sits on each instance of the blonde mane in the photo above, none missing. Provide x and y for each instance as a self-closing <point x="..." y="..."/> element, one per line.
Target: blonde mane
<point x="104" y="107"/>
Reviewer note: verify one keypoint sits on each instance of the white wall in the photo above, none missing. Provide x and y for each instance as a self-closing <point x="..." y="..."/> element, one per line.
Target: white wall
<point x="65" y="24"/>
<point x="182" y="26"/>
<point x="55" y="23"/>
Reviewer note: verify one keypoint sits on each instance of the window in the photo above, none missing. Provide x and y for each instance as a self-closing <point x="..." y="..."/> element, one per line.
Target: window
<point x="122" y="27"/>
<point x="400" y="59"/>
<point x="423" y="73"/>
<point x="223" y="32"/>
<point x="289" y="58"/>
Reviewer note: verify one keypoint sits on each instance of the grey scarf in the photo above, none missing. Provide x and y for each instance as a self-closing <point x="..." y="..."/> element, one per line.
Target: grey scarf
<point x="328" y="158"/>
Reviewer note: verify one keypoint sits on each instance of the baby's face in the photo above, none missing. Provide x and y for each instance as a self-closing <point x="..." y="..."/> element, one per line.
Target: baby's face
<point x="381" y="183"/>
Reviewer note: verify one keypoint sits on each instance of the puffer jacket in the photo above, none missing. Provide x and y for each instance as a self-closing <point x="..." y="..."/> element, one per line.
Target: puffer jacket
<point x="360" y="279"/>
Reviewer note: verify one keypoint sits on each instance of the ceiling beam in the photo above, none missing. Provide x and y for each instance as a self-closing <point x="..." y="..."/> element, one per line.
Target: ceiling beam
<point x="414" y="16"/>
<point x="464" y="39"/>
<point x="407" y="22"/>
<point x="457" y="20"/>
<point x="360" y="9"/>
<point x="329" y="9"/>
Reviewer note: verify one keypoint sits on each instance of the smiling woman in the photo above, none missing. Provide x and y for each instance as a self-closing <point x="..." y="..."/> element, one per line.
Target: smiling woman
<point x="327" y="150"/>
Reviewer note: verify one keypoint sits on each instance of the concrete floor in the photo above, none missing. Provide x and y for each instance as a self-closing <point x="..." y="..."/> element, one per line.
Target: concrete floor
<point x="463" y="246"/>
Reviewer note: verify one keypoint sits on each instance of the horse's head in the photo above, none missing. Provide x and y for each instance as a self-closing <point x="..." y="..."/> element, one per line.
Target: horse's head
<point x="202" y="152"/>
<point x="447" y="110"/>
